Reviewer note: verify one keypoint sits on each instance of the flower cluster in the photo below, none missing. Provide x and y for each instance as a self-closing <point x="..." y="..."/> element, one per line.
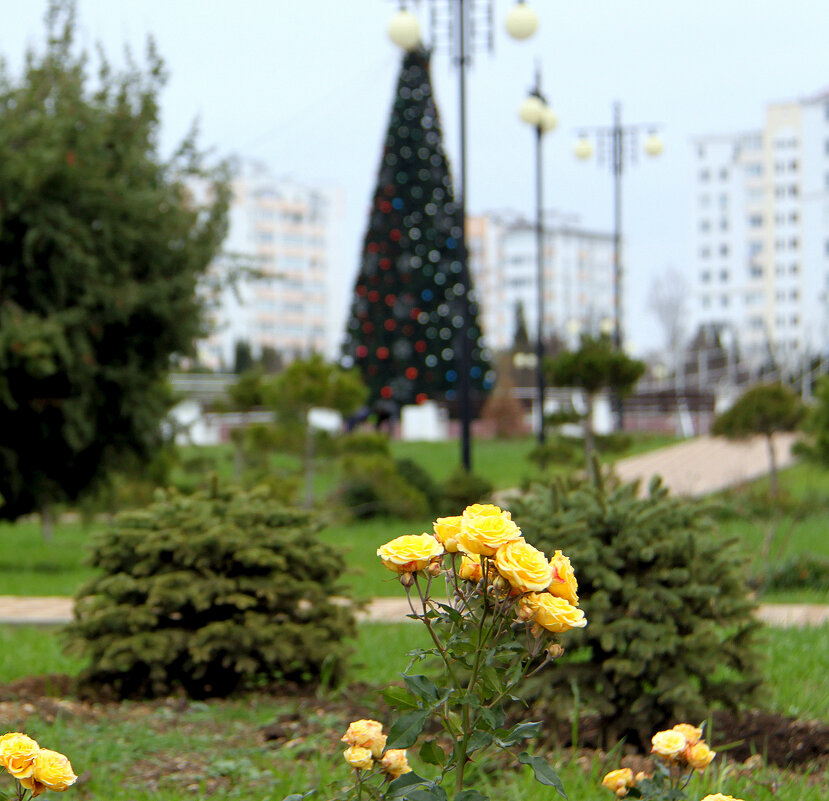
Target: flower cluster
<point x="492" y="549"/>
<point x="37" y="769"/>
<point x="367" y="749"/>
<point x="683" y="745"/>
<point x="679" y="749"/>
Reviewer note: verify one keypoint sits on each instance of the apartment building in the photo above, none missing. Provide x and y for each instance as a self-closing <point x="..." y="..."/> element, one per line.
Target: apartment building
<point x="761" y="233"/>
<point x="279" y="273"/>
<point x="577" y="276"/>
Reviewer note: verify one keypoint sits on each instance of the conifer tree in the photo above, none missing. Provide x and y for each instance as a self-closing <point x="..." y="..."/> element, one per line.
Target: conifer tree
<point x="101" y="248"/>
<point x="407" y="316"/>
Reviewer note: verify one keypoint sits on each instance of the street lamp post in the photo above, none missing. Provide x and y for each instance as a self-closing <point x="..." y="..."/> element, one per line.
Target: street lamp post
<point x="404" y="31"/>
<point x="618" y="144"/>
<point x="535" y="112"/>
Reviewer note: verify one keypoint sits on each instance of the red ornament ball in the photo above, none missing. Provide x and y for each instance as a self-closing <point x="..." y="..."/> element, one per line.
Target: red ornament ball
<point x="361" y="290"/>
<point x="385" y="206"/>
<point x="382" y="353"/>
<point x="411" y="373"/>
<point x="384" y="263"/>
<point x="386" y="392"/>
<point x="420" y="345"/>
<point x="362" y="352"/>
<point x="373" y="296"/>
<point x="421" y="397"/>
<point x="394" y="234"/>
<point x="391" y="300"/>
<point x="368" y="327"/>
<point x="390" y="325"/>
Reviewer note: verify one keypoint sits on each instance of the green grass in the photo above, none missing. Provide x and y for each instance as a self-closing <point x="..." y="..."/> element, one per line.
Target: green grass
<point x="177" y="749"/>
<point x="30" y="566"/>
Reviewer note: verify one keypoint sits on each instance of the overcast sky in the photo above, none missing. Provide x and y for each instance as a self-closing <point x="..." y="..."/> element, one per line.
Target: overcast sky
<point x="306" y="86"/>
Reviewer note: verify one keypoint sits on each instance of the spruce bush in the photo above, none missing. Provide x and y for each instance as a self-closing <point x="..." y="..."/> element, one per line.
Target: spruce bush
<point x="208" y="593"/>
<point x="671" y="632"/>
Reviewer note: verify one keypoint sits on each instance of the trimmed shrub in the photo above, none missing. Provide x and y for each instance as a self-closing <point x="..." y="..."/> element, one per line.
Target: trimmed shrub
<point x="365" y="442"/>
<point x="805" y="571"/>
<point x="372" y="487"/>
<point x="557" y="449"/>
<point x="670" y="630"/>
<point x="207" y="593"/>
<point x="462" y="489"/>
<point x="416" y="476"/>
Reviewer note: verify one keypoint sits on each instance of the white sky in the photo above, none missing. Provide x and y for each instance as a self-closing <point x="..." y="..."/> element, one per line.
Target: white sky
<point x="306" y="85"/>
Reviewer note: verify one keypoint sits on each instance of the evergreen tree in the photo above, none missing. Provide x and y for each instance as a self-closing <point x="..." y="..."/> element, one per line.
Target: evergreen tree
<point x="408" y="313"/>
<point x="101" y="249"/>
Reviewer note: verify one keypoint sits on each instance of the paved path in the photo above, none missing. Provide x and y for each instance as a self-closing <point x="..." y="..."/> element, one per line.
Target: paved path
<point x="56" y="610"/>
<point x="706" y="464"/>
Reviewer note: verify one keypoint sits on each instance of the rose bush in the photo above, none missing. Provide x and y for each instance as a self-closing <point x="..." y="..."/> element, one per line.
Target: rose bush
<point x="505" y="601"/>
<point x="36" y="769"/>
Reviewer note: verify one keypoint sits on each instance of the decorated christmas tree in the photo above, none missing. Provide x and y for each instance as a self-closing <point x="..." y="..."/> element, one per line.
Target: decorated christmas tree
<point x="409" y="313"/>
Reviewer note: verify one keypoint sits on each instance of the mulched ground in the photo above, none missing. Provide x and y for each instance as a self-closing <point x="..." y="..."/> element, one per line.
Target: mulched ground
<point x="780" y="740"/>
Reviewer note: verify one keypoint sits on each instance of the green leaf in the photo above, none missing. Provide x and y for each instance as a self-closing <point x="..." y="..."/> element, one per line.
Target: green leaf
<point x="494" y="716"/>
<point x="398" y="698"/>
<point x="402" y="784"/>
<point x="454" y="614"/>
<point x="406" y="728"/>
<point x="478" y="740"/>
<point x="543" y="772"/>
<point x="519" y="732"/>
<point x="471" y="795"/>
<point x="432" y="753"/>
<point x="430" y="792"/>
<point x="423" y="688"/>
<point x="292" y="797"/>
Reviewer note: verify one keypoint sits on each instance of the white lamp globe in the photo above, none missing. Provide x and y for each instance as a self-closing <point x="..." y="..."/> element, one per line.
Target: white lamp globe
<point x="531" y="110"/>
<point x="583" y="149"/>
<point x="549" y="120"/>
<point x="653" y="145"/>
<point x="404" y="30"/>
<point x="521" y="22"/>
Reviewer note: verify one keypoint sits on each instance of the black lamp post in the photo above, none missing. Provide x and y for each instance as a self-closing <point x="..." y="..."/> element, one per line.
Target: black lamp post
<point x="535" y="112"/>
<point x="404" y="31"/>
<point x="618" y="145"/>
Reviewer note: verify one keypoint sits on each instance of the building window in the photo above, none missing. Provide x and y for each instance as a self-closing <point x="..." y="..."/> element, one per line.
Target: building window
<point x="723" y="250"/>
<point x="755" y="271"/>
<point x="794" y="295"/>
<point x="706" y="301"/>
<point x="704" y="175"/>
<point x="793" y="190"/>
<point x="701" y="151"/>
<point x="705" y="276"/>
<point x="794" y="243"/>
<point x="724" y="301"/>
<point x="794" y="268"/>
<point x="705" y="200"/>
<point x="755" y="221"/>
<point x="704" y="226"/>
<point x="723" y="174"/>
<point x="723" y="275"/>
<point x="705" y="253"/>
<point x="723" y="224"/>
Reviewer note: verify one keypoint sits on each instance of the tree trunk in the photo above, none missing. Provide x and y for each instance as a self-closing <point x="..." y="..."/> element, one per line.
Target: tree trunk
<point x="309" y="463"/>
<point x="589" y="441"/>
<point x="772" y="467"/>
<point x="46" y="522"/>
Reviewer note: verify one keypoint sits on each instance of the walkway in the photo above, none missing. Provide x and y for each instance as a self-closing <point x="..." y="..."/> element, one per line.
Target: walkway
<point x="706" y="464"/>
<point x="57" y="611"/>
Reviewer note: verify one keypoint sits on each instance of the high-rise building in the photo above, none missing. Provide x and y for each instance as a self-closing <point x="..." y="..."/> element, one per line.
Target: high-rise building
<point x="577" y="277"/>
<point x="761" y="233"/>
<point x="279" y="276"/>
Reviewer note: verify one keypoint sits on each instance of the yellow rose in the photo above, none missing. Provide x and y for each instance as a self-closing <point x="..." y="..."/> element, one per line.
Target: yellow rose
<point x="366" y="734"/>
<point x="481" y="509"/>
<point x="699" y="755"/>
<point x="563" y="584"/>
<point x="524" y="567"/>
<point x="53" y="771"/>
<point x="720" y="797"/>
<point x="470" y="568"/>
<point x="485" y="533"/>
<point x="619" y="781"/>
<point x="394" y="762"/>
<point x="554" y="614"/>
<point x="446" y="532"/>
<point x="358" y="758"/>
<point x="410" y="553"/>
<point x="693" y="734"/>
<point x="668" y="744"/>
<point x="17" y="754"/>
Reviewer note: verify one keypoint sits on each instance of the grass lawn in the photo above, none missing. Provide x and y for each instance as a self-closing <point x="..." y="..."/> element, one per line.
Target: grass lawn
<point x="177" y="749"/>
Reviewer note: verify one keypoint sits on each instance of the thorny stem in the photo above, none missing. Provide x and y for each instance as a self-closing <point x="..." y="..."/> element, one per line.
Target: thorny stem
<point x="435" y="638"/>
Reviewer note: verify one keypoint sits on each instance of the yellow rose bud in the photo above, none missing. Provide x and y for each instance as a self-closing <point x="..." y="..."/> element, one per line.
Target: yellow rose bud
<point x="554" y="650"/>
<point x="693" y="734"/>
<point x="52" y="771"/>
<point x="479" y="509"/>
<point x="446" y="532"/>
<point x="641" y="776"/>
<point x="485" y="533"/>
<point x="410" y="553"/>
<point x="358" y="758"/>
<point x="668" y="744"/>
<point x="554" y="614"/>
<point x="394" y="762"/>
<point x="698" y="756"/>
<point x="17" y="754"/>
<point x="619" y="781"/>
<point x="524" y="567"/>
<point x="563" y="583"/>
<point x="366" y="734"/>
<point x="470" y="568"/>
